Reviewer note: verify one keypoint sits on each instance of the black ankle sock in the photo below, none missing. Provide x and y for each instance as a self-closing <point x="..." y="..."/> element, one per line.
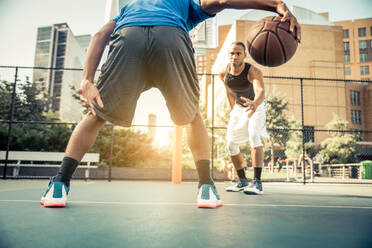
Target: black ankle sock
<point x="204" y="172"/>
<point x="257" y="173"/>
<point x="66" y="170"/>
<point x="241" y="173"/>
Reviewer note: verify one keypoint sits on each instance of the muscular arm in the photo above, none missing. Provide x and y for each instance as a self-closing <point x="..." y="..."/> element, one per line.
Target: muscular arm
<point x="214" y="6"/>
<point x="230" y="96"/>
<point x="255" y="76"/>
<point x="229" y="93"/>
<point x="95" y="50"/>
<point x="88" y="92"/>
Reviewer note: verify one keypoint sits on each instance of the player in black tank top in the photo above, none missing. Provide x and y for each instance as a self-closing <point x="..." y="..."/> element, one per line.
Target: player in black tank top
<point x="240" y="85"/>
<point x="244" y="87"/>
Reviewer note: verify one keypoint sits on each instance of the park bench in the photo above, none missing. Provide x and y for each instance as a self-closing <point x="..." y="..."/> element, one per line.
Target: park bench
<point x="18" y="159"/>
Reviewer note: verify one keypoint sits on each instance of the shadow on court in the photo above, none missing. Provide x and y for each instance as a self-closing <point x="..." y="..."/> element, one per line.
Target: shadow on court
<point x="160" y="214"/>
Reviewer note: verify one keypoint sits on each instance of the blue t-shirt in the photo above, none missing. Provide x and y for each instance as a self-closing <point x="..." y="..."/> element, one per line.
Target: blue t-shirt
<point x="179" y="13"/>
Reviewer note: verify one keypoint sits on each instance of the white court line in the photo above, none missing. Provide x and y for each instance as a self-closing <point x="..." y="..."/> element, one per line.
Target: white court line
<point x="194" y="204"/>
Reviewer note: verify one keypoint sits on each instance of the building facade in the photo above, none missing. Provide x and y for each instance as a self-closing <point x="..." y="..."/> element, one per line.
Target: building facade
<point x="320" y="55"/>
<point x="57" y="47"/>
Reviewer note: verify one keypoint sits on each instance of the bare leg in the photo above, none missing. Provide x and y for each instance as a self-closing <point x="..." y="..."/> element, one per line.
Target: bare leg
<point x="199" y="145"/>
<point x="257" y="157"/>
<point x="198" y="139"/>
<point x="237" y="160"/>
<point x="83" y="137"/>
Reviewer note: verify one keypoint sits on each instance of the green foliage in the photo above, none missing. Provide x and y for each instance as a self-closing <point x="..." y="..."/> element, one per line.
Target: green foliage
<point x="276" y="119"/>
<point x="31" y="137"/>
<point x="340" y="147"/>
<point x="294" y="144"/>
<point x="29" y="103"/>
<point x="131" y="148"/>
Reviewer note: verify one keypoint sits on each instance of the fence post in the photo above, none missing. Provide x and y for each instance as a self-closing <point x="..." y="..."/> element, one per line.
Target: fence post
<point x="303" y="131"/>
<point x="212" y="150"/>
<point x="11" y="112"/>
<point x="111" y="152"/>
<point x="177" y="153"/>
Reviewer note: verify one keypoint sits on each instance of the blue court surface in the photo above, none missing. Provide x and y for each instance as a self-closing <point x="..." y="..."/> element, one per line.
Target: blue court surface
<point x="161" y="214"/>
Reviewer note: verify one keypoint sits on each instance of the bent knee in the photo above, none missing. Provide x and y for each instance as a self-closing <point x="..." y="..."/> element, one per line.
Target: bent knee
<point x="233" y="148"/>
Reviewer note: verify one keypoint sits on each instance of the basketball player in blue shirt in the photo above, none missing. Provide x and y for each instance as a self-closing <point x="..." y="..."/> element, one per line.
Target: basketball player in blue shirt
<point x="149" y="47"/>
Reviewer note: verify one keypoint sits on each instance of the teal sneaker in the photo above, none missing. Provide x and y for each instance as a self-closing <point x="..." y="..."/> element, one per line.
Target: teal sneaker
<point x="254" y="188"/>
<point x="239" y="186"/>
<point x="55" y="195"/>
<point x="208" y="197"/>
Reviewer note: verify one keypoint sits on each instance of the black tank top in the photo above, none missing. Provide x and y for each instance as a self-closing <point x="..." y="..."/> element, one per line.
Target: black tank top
<point x="240" y="85"/>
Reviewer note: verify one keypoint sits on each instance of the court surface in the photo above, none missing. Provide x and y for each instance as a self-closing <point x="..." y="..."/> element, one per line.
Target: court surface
<point x="161" y="214"/>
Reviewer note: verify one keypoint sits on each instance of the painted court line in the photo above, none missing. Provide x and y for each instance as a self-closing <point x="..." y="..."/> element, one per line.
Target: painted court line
<point x="194" y="204"/>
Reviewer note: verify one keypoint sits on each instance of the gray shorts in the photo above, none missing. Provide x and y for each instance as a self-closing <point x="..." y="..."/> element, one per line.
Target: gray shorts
<point x="143" y="57"/>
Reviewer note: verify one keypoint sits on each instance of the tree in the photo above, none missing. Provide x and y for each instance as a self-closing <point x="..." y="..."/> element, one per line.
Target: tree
<point x="30" y="102"/>
<point x="276" y="121"/>
<point x="341" y="146"/>
<point x="294" y="144"/>
<point x="131" y="149"/>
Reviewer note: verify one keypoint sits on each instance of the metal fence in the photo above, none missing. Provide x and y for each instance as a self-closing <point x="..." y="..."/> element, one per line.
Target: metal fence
<point x="298" y="150"/>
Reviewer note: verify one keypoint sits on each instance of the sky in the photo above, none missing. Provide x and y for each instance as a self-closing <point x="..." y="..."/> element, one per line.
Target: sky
<point x="19" y="20"/>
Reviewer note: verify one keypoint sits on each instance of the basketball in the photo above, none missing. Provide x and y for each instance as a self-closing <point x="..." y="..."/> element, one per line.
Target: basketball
<point x="270" y="43"/>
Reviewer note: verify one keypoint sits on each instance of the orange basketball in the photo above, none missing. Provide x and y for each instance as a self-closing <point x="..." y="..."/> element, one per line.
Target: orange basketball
<point x="270" y="43"/>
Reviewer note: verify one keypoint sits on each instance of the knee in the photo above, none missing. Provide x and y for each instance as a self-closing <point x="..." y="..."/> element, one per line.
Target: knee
<point x="233" y="148"/>
<point x="255" y="140"/>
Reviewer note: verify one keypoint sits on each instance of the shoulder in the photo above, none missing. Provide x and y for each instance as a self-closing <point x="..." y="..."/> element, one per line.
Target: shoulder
<point x="254" y="72"/>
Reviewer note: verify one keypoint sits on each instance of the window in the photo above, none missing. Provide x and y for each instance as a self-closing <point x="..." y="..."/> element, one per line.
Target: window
<point x="346" y="46"/>
<point x="44" y="33"/>
<point x="60" y="62"/>
<point x="58" y="76"/>
<point x="364" y="70"/>
<point x="366" y="81"/>
<point x="309" y="133"/>
<point x="355" y="97"/>
<point x="363" y="57"/>
<point x="43" y="47"/>
<point x="212" y="56"/>
<point x="347" y="71"/>
<point x="356" y="117"/>
<point x="370" y="31"/>
<point x="362" y="44"/>
<point x="55" y="103"/>
<point x="361" y="32"/>
<point x="57" y="90"/>
<point x="345" y="33"/>
<point x="347" y="58"/>
<point x="62" y="36"/>
<point x="61" y="50"/>
<point x="371" y="43"/>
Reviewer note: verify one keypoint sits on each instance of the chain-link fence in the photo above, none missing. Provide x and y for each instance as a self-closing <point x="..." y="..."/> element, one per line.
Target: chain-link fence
<point x="319" y="129"/>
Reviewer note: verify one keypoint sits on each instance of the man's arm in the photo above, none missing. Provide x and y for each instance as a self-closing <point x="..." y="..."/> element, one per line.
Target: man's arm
<point x="255" y="77"/>
<point x="95" y="50"/>
<point x="229" y="93"/>
<point x="88" y="92"/>
<point x="230" y="96"/>
<point x="212" y="7"/>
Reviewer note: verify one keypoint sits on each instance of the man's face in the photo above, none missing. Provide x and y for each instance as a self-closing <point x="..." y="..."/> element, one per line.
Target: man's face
<point x="236" y="55"/>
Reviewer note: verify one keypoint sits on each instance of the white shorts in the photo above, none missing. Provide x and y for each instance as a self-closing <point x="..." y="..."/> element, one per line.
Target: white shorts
<point x="242" y="129"/>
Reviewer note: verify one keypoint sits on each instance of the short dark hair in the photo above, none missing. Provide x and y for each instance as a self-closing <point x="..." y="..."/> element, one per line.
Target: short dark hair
<point x="238" y="43"/>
